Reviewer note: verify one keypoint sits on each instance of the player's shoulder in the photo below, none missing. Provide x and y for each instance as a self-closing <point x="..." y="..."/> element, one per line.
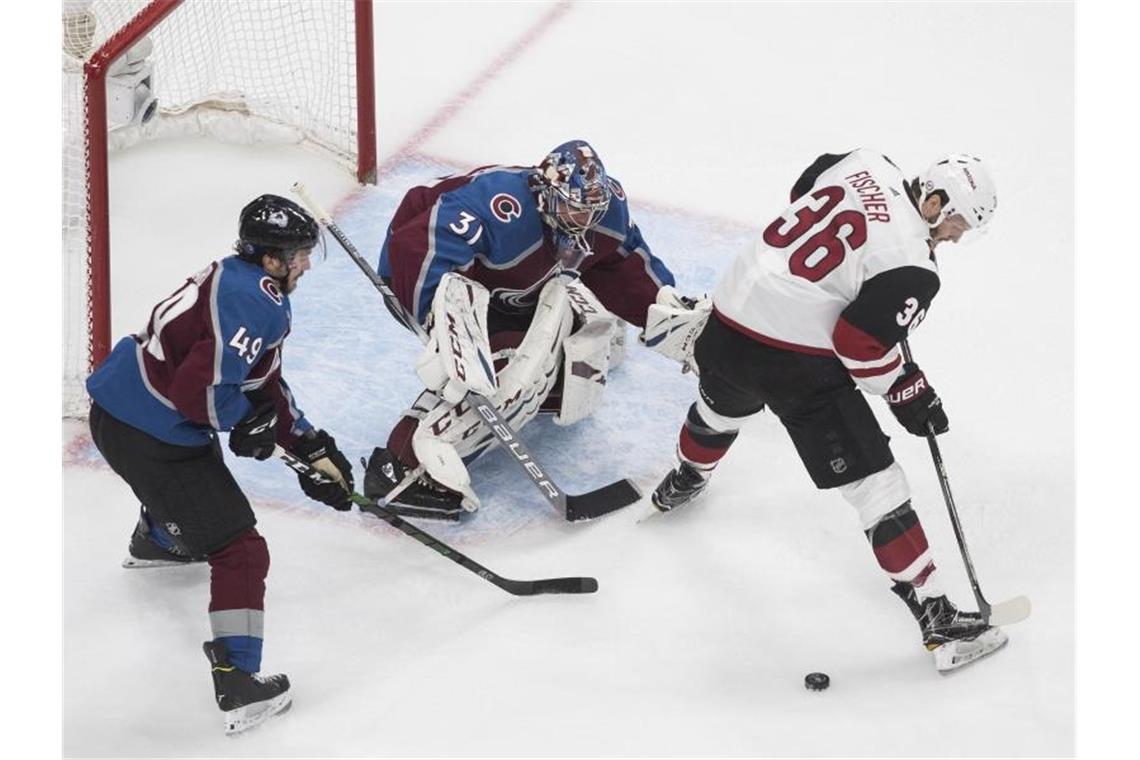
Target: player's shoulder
<point x="857" y="161"/>
<point x="496" y="196"/>
<point x="245" y="292"/>
<point x="492" y="186"/>
<point x="903" y="255"/>
<point x="616" y="220"/>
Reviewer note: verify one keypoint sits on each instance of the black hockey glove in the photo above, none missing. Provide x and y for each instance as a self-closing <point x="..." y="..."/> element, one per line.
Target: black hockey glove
<point x="915" y="404"/>
<point x="256" y="435"/>
<point x="319" y="450"/>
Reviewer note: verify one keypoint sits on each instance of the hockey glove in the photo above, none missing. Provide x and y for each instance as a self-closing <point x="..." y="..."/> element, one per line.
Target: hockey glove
<point x="318" y="448"/>
<point x="256" y="435"/>
<point x="673" y="323"/>
<point x="915" y="404"/>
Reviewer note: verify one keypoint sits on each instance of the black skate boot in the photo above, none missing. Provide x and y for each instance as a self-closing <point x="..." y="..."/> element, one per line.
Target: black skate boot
<point x="246" y="699"/>
<point x="151" y="545"/>
<point x="424" y="498"/>
<point x="680" y="486"/>
<point x="955" y="637"/>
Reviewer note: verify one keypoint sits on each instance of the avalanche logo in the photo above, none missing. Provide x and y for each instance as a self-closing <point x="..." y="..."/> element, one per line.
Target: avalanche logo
<point x="278" y="219"/>
<point x="506" y="207"/>
<point x="270" y="288"/>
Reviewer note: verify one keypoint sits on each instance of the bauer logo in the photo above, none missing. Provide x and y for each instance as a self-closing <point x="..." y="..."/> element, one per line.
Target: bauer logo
<point x="506" y="207"/>
<point x="270" y="288"/>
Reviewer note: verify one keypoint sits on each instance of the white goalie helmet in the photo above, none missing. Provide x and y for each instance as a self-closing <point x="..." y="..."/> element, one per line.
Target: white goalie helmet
<point x="965" y="186"/>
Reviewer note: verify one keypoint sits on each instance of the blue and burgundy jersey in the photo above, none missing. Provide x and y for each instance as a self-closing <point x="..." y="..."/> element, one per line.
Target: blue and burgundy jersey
<point x="486" y="225"/>
<point x="210" y="346"/>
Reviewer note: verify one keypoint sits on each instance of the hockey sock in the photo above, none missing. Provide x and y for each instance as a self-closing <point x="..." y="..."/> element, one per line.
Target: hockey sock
<point x="902" y="551"/>
<point x="400" y="442"/>
<point x="700" y="444"/>
<point x="237" y="598"/>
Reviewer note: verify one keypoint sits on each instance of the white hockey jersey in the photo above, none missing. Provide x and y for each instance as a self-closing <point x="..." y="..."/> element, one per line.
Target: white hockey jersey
<point x="846" y="270"/>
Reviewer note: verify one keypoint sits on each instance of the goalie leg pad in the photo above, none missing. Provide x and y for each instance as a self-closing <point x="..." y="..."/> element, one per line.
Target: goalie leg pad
<point x="584" y="371"/>
<point x="523" y="385"/>
<point x="457" y="357"/>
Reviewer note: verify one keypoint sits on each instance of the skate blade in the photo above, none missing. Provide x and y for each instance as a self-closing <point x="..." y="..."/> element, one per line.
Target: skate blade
<point x="957" y="654"/>
<point x="132" y="563"/>
<point x="249" y="716"/>
<point x="428" y="514"/>
<point x="649" y="514"/>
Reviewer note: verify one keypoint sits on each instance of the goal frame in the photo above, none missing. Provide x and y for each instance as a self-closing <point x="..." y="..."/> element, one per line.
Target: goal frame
<point x="96" y="150"/>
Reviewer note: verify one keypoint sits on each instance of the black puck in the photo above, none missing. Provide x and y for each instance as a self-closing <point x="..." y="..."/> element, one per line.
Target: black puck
<point x="816" y="681"/>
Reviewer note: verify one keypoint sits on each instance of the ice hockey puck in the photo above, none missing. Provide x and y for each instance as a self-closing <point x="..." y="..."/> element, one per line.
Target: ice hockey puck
<point x="816" y="681"/>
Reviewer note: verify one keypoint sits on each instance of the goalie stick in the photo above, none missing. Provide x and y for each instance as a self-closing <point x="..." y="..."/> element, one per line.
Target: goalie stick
<point x="582" y="585"/>
<point x="1003" y="613"/>
<point x="574" y="507"/>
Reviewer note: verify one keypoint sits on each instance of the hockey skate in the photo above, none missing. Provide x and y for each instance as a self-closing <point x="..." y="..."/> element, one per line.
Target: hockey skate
<point x="245" y="699"/>
<point x="424" y="498"/>
<point x="152" y="546"/>
<point x="680" y="486"/>
<point x="955" y="638"/>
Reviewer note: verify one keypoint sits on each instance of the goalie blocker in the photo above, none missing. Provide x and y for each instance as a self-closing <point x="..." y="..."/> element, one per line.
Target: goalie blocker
<point x="570" y="345"/>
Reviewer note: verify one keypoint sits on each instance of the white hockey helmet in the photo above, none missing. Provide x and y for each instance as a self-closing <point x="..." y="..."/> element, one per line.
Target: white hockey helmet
<point x="965" y="187"/>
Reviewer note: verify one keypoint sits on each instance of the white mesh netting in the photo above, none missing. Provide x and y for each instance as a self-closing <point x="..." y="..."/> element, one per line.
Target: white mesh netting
<point x="250" y="71"/>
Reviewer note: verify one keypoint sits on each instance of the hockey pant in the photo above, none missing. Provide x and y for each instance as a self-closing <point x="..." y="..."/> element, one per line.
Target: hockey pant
<point x="189" y="491"/>
<point x="831" y="425"/>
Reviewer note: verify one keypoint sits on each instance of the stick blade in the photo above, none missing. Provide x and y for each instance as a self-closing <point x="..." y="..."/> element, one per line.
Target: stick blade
<point x="601" y="501"/>
<point x="1010" y="611"/>
<point x="550" y="586"/>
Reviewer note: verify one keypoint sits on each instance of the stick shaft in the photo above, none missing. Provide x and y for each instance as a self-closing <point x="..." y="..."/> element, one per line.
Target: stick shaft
<point x="955" y="523"/>
<point x="516" y="587"/>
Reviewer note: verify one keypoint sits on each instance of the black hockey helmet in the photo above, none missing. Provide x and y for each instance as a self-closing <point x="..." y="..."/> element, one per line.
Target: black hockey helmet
<point x="275" y="226"/>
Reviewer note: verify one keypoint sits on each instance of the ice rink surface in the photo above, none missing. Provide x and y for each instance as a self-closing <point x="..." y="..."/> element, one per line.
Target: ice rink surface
<point x="706" y="620"/>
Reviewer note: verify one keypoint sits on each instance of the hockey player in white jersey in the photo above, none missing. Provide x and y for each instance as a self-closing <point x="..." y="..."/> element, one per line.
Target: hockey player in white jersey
<point x="813" y="314"/>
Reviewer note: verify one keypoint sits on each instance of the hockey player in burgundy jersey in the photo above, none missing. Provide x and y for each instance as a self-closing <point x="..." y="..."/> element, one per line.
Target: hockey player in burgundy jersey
<point x="544" y="263"/>
<point x="209" y="361"/>
<point x="811" y="316"/>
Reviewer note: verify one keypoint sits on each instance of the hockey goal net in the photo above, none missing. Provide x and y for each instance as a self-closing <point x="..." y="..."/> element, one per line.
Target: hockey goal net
<point x="296" y="71"/>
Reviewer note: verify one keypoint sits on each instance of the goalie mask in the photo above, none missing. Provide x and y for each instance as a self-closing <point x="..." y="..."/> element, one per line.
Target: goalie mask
<point x="964" y="186"/>
<point x="573" y="195"/>
<point x="270" y="225"/>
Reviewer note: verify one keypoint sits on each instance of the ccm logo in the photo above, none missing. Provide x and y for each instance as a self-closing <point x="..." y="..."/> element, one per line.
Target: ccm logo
<point x="456" y="348"/>
<point x="908" y="393"/>
<point x="584" y="305"/>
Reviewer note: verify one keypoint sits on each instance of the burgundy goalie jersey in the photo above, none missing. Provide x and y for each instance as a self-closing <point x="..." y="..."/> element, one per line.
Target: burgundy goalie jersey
<point x="845" y="270"/>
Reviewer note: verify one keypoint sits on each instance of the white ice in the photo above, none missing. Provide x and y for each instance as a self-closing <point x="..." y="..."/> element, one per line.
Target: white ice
<point x="706" y="620"/>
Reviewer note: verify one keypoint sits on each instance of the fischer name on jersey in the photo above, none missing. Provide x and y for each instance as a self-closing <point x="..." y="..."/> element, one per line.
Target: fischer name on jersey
<point x="845" y="271"/>
<point x="213" y="340"/>
<point x="486" y="225"/>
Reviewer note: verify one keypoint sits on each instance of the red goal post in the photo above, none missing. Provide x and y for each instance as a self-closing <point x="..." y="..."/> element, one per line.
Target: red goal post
<point x="291" y="71"/>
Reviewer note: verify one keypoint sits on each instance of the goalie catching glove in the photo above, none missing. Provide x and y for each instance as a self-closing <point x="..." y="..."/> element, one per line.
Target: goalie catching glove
<point x="318" y="449"/>
<point x="673" y="323"/>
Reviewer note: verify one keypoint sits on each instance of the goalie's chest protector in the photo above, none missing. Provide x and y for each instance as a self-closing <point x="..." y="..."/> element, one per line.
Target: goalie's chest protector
<point x="810" y="262"/>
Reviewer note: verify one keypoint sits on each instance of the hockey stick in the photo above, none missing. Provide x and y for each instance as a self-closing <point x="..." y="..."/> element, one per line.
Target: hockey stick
<point x="574" y="507"/>
<point x="582" y="585"/>
<point x="1003" y="613"/>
